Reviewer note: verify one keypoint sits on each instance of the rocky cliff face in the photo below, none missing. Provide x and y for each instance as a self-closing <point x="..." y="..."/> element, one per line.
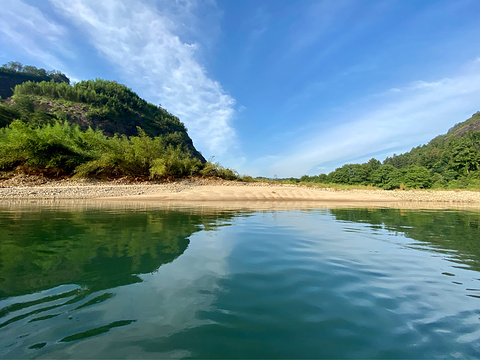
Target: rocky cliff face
<point x="472" y="124"/>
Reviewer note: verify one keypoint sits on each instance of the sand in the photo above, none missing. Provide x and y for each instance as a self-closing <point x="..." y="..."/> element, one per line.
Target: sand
<point x="229" y="194"/>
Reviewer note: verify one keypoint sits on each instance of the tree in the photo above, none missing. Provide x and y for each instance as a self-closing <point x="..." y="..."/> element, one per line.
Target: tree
<point x="387" y="177"/>
<point x="417" y="177"/>
<point x="13" y="65"/>
<point x="465" y="154"/>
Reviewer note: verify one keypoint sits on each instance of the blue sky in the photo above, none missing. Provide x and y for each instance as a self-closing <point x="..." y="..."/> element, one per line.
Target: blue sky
<point x="270" y="87"/>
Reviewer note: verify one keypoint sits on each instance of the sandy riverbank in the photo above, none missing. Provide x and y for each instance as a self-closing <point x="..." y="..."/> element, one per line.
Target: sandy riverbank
<point x="201" y="192"/>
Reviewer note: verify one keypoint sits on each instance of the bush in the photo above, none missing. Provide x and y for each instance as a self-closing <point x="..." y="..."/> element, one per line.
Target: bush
<point x="57" y="147"/>
<point x="65" y="149"/>
<point x="174" y="163"/>
<point x="217" y="170"/>
<point x="247" y="178"/>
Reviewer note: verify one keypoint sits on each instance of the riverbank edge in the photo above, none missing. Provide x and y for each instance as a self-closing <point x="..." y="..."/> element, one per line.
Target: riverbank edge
<point x="215" y="191"/>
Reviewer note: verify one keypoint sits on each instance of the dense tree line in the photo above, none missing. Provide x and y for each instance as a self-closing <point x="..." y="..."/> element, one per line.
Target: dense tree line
<point x="14" y="67"/>
<point x="14" y="73"/>
<point x="374" y="173"/>
<point x="448" y="161"/>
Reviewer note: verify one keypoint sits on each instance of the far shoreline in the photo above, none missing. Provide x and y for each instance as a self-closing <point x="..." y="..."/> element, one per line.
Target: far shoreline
<point x="216" y="193"/>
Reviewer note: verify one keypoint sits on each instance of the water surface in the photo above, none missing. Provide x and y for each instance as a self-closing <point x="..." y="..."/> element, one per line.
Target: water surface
<point x="152" y="283"/>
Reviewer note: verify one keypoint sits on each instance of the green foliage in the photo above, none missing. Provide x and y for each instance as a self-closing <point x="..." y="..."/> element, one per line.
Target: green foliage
<point x="247" y="178"/>
<point x="318" y="179"/>
<point x="386" y="177"/>
<point x="416" y="177"/>
<point x="7" y="115"/>
<point x="14" y="73"/>
<point x="226" y="173"/>
<point x="61" y="148"/>
<point x="110" y="100"/>
<point x="139" y="156"/>
<point x="449" y="161"/>
<point x="47" y="125"/>
<point x="101" y="104"/>
<point x="352" y="174"/>
<point x="14" y="67"/>
<point x="174" y="163"/>
<point x="214" y="169"/>
<point x="56" y="147"/>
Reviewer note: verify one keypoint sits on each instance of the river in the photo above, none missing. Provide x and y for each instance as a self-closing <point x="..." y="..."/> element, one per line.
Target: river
<point x="149" y="282"/>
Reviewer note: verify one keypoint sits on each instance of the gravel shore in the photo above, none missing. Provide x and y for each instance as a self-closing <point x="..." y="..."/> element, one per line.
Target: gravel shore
<point x="32" y="187"/>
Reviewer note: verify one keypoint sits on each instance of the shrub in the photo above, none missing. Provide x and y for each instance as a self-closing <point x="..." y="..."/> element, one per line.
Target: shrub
<point x="217" y="170"/>
<point x="57" y="147"/>
<point x="174" y="163"/>
<point x="64" y="148"/>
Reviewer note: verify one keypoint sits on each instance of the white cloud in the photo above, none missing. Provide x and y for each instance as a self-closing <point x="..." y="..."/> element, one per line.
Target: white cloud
<point x="145" y="45"/>
<point x="25" y="27"/>
<point x="395" y="90"/>
<point x="405" y="118"/>
<point x="424" y="84"/>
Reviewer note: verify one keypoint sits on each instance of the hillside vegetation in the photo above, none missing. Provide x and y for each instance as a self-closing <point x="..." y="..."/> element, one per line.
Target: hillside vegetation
<point x="449" y="161"/>
<point x="95" y="128"/>
<point x="103" y="129"/>
<point x="14" y="73"/>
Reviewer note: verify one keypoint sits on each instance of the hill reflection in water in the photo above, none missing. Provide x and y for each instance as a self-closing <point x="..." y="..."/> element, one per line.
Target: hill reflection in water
<point x="42" y="248"/>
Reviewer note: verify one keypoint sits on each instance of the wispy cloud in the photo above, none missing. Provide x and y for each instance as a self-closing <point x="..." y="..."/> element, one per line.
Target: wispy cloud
<point x="406" y="117"/>
<point x="425" y="84"/>
<point x="145" y="44"/>
<point x="25" y="27"/>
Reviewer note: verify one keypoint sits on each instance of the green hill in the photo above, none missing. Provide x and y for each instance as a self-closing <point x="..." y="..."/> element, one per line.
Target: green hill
<point x="448" y="161"/>
<point x="93" y="128"/>
<point x="98" y="104"/>
<point x="451" y="158"/>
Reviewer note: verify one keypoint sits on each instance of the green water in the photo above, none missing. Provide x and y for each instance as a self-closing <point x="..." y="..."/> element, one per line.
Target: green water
<point x="94" y="282"/>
